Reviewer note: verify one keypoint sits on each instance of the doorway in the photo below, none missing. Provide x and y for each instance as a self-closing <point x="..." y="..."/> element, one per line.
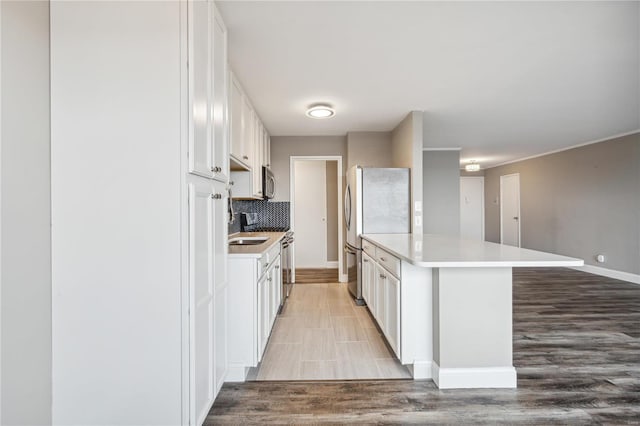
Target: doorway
<point x="510" y="209"/>
<point x="472" y="207"/>
<point x="316" y="219"/>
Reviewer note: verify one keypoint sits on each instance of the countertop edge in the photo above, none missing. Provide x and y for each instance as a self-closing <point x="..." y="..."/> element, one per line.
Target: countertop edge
<point x="264" y="247"/>
<point x="478" y="263"/>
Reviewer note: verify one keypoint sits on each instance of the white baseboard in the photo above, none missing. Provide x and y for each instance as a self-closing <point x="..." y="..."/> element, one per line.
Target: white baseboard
<point x="611" y="273"/>
<point x="344" y="278"/>
<point x="421" y="370"/>
<point x="332" y="264"/>
<point x="236" y="373"/>
<point x="481" y="377"/>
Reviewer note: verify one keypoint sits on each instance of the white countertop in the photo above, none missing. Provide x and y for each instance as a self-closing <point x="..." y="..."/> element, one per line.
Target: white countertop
<point x="439" y="251"/>
<point x="257" y="250"/>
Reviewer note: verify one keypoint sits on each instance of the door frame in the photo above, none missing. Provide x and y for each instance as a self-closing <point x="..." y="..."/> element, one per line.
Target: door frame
<point x="501" y="209"/>
<point x="342" y="277"/>
<point x="481" y="178"/>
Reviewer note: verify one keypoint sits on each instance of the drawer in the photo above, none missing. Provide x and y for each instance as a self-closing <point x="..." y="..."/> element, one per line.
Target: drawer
<point x="369" y="248"/>
<point x="388" y="261"/>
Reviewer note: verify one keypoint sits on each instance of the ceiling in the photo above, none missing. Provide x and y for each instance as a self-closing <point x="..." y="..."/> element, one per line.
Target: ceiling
<point x="501" y="80"/>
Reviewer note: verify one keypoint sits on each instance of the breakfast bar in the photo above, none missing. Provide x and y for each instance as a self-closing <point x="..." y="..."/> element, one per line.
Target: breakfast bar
<point x="454" y="304"/>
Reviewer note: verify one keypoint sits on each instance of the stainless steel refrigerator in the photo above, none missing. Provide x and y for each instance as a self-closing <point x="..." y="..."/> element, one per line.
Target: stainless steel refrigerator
<point x="376" y="201"/>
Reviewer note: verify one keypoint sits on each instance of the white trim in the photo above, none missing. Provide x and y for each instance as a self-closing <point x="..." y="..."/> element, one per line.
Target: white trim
<point x="611" y="273"/>
<point x="519" y="214"/>
<point x="421" y="370"/>
<point x="608" y="138"/>
<point x="481" y="199"/>
<point x="236" y="373"/>
<point x="457" y="148"/>
<point x="332" y="264"/>
<point x="342" y="276"/>
<point x="474" y="378"/>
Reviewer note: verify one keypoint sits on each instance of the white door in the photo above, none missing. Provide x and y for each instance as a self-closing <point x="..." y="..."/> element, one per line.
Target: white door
<point x="392" y="312"/>
<point x="472" y="208"/>
<point x="201" y="302"/>
<point x="310" y="209"/>
<point x="220" y="86"/>
<point x="510" y="210"/>
<point x="236" y="120"/>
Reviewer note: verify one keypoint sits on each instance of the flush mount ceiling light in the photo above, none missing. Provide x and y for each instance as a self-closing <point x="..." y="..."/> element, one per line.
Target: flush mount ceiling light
<point x="321" y="111"/>
<point x="472" y="166"/>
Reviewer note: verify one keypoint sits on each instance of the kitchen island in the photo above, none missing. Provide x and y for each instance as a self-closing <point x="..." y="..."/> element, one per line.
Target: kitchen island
<point x="445" y="304"/>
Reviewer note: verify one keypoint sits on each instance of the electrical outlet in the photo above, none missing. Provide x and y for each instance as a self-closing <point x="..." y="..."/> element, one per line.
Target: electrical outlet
<point x="600" y="258"/>
<point x="418" y="220"/>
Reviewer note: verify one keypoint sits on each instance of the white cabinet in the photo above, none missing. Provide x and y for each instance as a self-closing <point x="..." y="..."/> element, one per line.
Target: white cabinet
<point x="147" y="263"/>
<point x="250" y="144"/>
<point x="381" y="290"/>
<point x="254" y="293"/>
<point x="368" y="281"/>
<point x="236" y="105"/>
<point x="208" y="138"/>
<point x="207" y="289"/>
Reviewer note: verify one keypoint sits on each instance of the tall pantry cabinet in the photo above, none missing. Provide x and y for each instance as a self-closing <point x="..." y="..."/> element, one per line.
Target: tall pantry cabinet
<point x="139" y="157"/>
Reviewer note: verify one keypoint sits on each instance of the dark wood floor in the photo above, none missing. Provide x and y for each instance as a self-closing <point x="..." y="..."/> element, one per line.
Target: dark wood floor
<point x="576" y="349"/>
<point x="316" y="275"/>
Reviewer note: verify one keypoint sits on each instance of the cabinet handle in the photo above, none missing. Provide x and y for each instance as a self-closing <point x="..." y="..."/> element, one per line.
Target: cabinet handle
<point x="269" y="279"/>
<point x="383" y="259"/>
<point x="365" y="260"/>
<point x="244" y="157"/>
<point x="216" y="196"/>
<point x="277" y="267"/>
<point x="384" y="277"/>
<point x="216" y="169"/>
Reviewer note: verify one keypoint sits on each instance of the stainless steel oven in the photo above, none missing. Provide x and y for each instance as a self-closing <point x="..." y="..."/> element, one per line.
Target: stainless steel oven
<point x="287" y="281"/>
<point x="268" y="183"/>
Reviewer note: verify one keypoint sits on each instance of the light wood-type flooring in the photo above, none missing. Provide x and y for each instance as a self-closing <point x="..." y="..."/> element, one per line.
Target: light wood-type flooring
<point x="322" y="335"/>
<point x="576" y="349"/>
<point x="316" y="275"/>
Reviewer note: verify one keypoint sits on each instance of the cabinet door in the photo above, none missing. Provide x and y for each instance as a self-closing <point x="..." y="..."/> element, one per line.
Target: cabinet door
<point x="220" y="85"/>
<point x="392" y="312"/>
<point x="248" y="131"/>
<point x="381" y="284"/>
<point x="258" y="141"/>
<point x="201" y="300"/>
<point x="236" y="106"/>
<point x="276" y="285"/>
<point x="200" y="99"/>
<point x="263" y="309"/>
<point x="366" y="281"/>
<point x="220" y="281"/>
<point x="266" y="157"/>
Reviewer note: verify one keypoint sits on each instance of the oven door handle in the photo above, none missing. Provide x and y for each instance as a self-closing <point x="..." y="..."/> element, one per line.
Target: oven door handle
<point x="349" y="250"/>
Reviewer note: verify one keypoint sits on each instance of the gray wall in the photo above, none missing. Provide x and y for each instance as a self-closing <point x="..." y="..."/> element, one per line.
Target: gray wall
<point x="25" y="262"/>
<point x="441" y="192"/>
<point x="369" y="149"/>
<point x="580" y="202"/>
<point x="406" y="151"/>
<point x="283" y="147"/>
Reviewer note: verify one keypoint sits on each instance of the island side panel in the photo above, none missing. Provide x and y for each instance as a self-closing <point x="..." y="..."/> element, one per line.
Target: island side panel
<point x="416" y="319"/>
<point x="473" y="328"/>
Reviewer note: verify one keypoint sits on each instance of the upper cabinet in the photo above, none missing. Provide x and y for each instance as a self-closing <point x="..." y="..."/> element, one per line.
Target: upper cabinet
<point x="208" y="87"/>
<point x="250" y="144"/>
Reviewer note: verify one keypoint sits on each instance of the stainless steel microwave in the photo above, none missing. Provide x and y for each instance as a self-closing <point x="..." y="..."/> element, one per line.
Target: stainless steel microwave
<point x="268" y="183"/>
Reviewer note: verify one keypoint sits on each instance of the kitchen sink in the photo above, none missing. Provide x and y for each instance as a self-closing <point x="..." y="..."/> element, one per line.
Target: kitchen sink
<point x="247" y="241"/>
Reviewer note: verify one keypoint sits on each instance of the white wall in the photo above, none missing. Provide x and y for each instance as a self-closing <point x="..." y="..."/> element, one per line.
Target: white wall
<point x="25" y="262"/>
<point x="116" y="197"/>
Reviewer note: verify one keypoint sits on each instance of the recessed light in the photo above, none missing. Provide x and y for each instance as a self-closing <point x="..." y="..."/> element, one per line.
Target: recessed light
<point x="472" y="166"/>
<point x="321" y="111"/>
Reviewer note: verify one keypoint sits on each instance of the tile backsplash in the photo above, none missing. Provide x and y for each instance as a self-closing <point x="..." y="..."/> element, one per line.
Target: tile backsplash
<point x="268" y="215"/>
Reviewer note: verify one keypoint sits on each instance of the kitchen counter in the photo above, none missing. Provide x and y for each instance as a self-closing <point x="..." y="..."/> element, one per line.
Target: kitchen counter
<point x="440" y="251"/>
<point x="256" y="250"/>
<point x="456" y="304"/>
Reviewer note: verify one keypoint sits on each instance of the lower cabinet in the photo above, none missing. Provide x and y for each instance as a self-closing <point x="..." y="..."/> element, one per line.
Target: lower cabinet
<point x="381" y="291"/>
<point x="255" y="295"/>
<point x="208" y="286"/>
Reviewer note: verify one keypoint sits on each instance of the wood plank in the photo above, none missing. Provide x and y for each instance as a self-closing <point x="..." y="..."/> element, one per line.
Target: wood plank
<point x="316" y="275"/>
<point x="576" y="348"/>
